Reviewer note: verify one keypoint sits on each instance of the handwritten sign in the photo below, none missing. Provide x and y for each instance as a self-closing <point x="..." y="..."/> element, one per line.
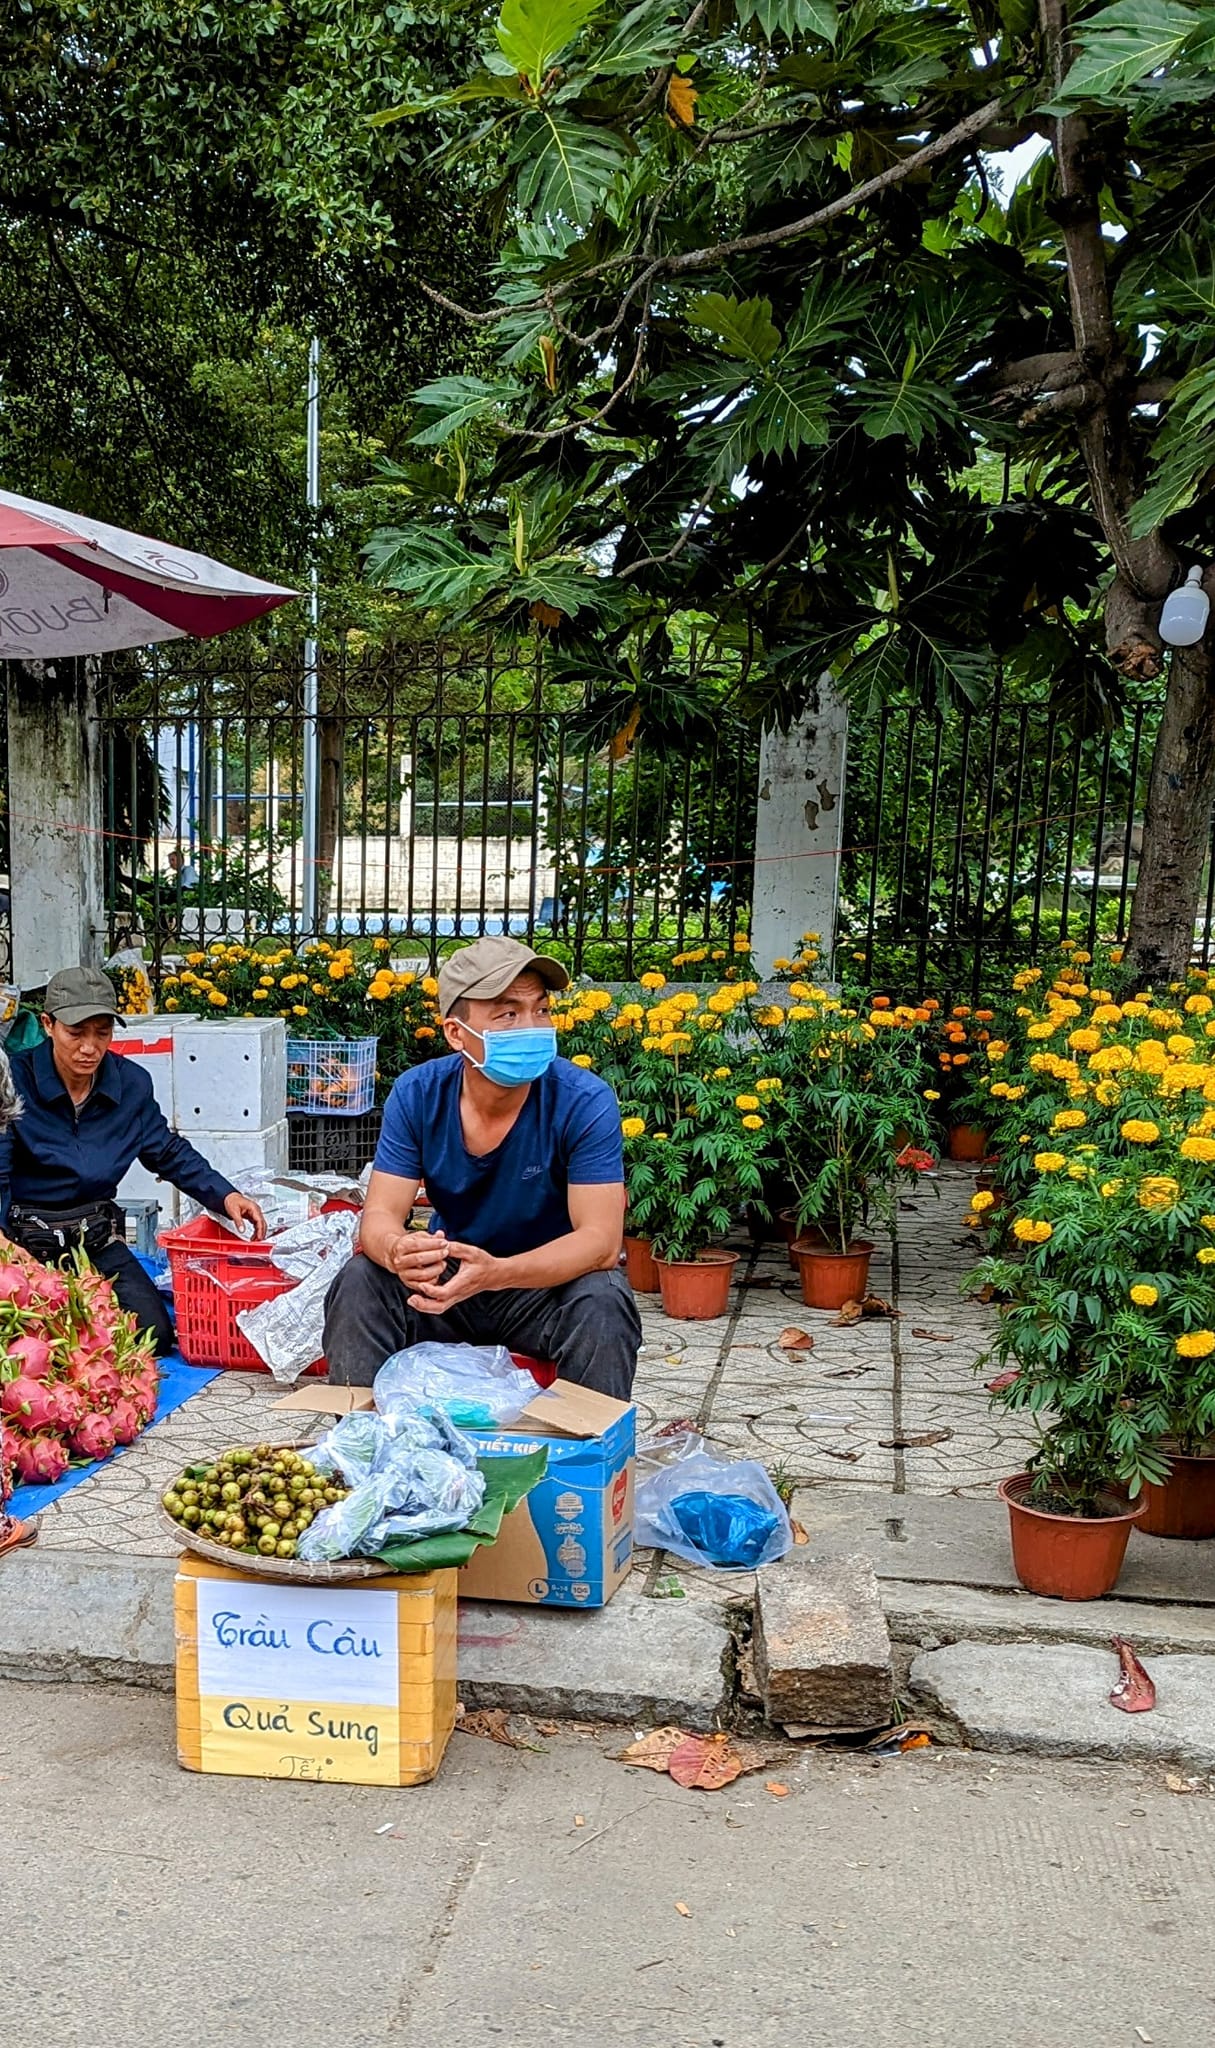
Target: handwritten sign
<point x="259" y="1641"/>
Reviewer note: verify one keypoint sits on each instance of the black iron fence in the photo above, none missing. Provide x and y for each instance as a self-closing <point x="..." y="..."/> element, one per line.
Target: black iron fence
<point x="461" y="793"/>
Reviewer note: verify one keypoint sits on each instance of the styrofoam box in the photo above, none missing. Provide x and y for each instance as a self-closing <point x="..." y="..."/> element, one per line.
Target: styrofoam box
<point x="231" y="1076"/>
<point x="148" y="1042"/>
<point x="234" y="1153"/>
<point x="139" y="1185"/>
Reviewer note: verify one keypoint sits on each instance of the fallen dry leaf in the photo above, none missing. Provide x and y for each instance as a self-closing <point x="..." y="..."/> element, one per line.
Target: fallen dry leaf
<point x="1002" y="1380"/>
<point x="652" y="1752"/>
<point x="778" y="1791"/>
<point x="1134" y="1693"/>
<point x="793" y="1339"/>
<point x="873" y="1305"/>
<point x="799" y="1534"/>
<point x="683" y="1425"/>
<point x="681" y="1908"/>
<point x="1181" y="1784"/>
<point x="915" y="1443"/>
<point x="705" y="1763"/>
<point x="849" y="1314"/>
<point x="933" y="1336"/>
<point x="845" y="1457"/>
<point x="494" y="1723"/>
<point x="547" y="1728"/>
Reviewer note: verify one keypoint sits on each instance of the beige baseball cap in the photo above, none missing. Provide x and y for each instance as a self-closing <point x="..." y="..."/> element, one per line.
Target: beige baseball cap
<point x="487" y="967"/>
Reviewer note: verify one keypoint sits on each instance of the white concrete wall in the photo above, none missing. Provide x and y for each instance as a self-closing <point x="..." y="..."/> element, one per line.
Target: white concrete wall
<point x="799" y="830"/>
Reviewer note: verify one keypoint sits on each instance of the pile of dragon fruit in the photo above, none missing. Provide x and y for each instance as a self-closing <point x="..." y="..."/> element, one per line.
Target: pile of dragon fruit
<point x="75" y="1380"/>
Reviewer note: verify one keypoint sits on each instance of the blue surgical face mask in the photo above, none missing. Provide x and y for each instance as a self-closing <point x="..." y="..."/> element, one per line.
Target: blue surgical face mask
<point x="513" y="1057"/>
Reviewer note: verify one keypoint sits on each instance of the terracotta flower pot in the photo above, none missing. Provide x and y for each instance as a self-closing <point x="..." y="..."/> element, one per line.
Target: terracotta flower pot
<point x="792" y="1235"/>
<point x="1067" y="1557"/>
<point x="967" y="1141"/>
<point x="639" y="1265"/>
<point x="1184" y="1506"/>
<point x="696" y="1290"/>
<point x="831" y="1278"/>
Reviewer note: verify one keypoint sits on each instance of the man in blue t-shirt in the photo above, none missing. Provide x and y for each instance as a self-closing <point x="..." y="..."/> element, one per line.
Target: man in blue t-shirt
<point x="523" y="1164"/>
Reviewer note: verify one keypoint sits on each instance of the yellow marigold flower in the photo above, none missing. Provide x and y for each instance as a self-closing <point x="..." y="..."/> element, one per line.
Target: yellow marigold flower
<point x="1196" y="1344"/>
<point x="1067" y="945"/>
<point x="261" y="995"/>
<point x="983" y="1200"/>
<point x="1207" y="1222"/>
<point x="1198" y="1006"/>
<point x="1110" y="1188"/>
<point x="1112" y="1059"/>
<point x="753" y="1123"/>
<point x="721" y="1073"/>
<point x="660" y="1137"/>
<point x="1135" y="1008"/>
<point x="171" y="1003"/>
<point x="1029" y="1231"/>
<point x="673" y="1041"/>
<point x="1015" y="1094"/>
<point x="742" y="943"/>
<point x="195" y="959"/>
<point x="651" y="1044"/>
<point x="1144" y="1296"/>
<point x="722" y="1003"/>
<point x="799" y="1014"/>
<point x="1077" y="1170"/>
<point x="653" y="979"/>
<point x="318" y="988"/>
<point x="1164" y="1020"/>
<point x="1044" y="1028"/>
<point x="1138" y="1131"/>
<point x="932" y="1094"/>
<point x="746" y="1102"/>
<point x="1179" y="1044"/>
<point x="1069" y="1120"/>
<point x="430" y="986"/>
<point x="769" y="1086"/>
<point x="1108" y="1094"/>
<point x="299" y="1010"/>
<point x="424" y="1031"/>
<point x="780" y="963"/>
<point x="1049" y="1162"/>
<point x="997" y="1051"/>
<point x="1084" y="1040"/>
<point x="1198" y="1148"/>
<point x="1107" y="1013"/>
<point x="1206" y="1256"/>
<point x="583" y="1059"/>
<point x="1158" y="1191"/>
<point x="596" y="999"/>
<point x="633" y="1127"/>
<point x="337" y="971"/>
<point x="217" y="999"/>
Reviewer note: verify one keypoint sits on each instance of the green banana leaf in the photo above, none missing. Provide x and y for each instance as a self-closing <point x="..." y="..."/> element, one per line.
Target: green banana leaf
<point x="507" y="1482"/>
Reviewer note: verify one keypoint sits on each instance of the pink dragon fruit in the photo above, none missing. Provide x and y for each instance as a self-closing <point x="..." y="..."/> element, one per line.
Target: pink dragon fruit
<point x="14" y="1286"/>
<point x="28" y="1400"/>
<point x="95" y="1437"/>
<point x="126" y="1420"/>
<point x="50" y="1290"/>
<point x="8" y="1451"/>
<point x="34" y="1356"/>
<point x="95" y="1378"/>
<point x="71" y="1406"/>
<point x="40" y="1459"/>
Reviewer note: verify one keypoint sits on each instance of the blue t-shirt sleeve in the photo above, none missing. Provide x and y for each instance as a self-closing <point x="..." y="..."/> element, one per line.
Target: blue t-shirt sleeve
<point x="400" y="1149"/>
<point x="595" y="1144"/>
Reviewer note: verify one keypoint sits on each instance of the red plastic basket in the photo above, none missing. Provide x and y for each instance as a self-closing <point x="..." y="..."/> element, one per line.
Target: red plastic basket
<point x="215" y="1275"/>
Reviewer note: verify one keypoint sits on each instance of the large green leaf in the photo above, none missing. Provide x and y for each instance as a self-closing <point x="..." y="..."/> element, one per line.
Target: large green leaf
<point x="565" y="166"/>
<point x="1124" y="44"/>
<point x="790" y="411"/>
<point x="643" y="38"/>
<point x="1186" y="451"/>
<point x="487" y="85"/>
<point x="911" y="410"/>
<point x="743" y="326"/>
<point x="458" y="401"/>
<point x="533" y="33"/>
<point x="793" y="17"/>
<point x="432" y="566"/>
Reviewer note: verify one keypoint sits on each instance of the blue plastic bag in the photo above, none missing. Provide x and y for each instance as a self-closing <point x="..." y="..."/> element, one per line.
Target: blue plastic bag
<point x="718" y="1512"/>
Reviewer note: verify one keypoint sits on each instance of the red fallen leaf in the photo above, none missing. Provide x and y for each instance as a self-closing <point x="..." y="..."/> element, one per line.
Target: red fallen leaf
<point x="799" y="1534"/>
<point x="652" y="1752"/>
<point x="705" y="1763"/>
<point x="1002" y="1380"/>
<point x="1134" y="1693"/>
<point x="683" y="1425"/>
<point x="793" y="1339"/>
<point x="916" y="1157"/>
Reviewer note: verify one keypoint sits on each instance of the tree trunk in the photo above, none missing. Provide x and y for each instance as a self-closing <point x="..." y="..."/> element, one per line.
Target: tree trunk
<point x="1177" y="823"/>
<point x="331" y="734"/>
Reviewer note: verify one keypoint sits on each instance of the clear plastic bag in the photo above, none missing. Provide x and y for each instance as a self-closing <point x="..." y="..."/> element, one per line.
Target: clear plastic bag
<point x="367" y="1442"/>
<point x="713" y="1511"/>
<point x="477" y="1386"/>
<point x="402" y="1485"/>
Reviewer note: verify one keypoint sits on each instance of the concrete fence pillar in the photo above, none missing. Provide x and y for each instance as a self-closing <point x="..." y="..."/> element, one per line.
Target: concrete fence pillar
<point x="56" y="847"/>
<point x="799" y="830"/>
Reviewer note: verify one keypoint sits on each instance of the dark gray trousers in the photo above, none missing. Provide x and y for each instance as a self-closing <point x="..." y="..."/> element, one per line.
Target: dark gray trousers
<point x="589" y="1328"/>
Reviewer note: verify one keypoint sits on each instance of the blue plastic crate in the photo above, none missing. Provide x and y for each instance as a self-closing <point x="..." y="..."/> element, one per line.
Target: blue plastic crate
<point x="331" y="1076"/>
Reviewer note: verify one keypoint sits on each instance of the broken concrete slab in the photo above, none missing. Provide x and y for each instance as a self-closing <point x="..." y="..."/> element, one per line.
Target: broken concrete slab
<point x="930" y="1616"/>
<point x="821" y="1645"/>
<point x="948" y="1540"/>
<point x="1052" y="1699"/>
<point x="636" y="1659"/>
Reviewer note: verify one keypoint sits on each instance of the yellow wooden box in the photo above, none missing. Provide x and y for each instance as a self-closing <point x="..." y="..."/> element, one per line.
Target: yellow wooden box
<point x="352" y="1684"/>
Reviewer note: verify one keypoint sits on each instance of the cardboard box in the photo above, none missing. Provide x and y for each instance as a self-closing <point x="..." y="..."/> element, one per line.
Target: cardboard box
<point x="570" y="1543"/>
<point x="231" y="1076"/>
<point x="347" y="1685"/>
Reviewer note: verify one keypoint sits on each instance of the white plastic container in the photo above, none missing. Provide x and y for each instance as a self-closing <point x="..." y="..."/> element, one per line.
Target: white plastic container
<point x="230" y="1076"/>
<point x="234" y="1153"/>
<point x="148" y="1041"/>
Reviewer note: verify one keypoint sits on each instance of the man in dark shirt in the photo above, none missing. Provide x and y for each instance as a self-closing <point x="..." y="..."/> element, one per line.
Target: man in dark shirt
<point x="87" y="1116"/>
<point x="522" y="1159"/>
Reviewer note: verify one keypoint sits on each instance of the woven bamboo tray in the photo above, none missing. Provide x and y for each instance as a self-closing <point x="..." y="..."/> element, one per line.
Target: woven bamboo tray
<point x="289" y="1571"/>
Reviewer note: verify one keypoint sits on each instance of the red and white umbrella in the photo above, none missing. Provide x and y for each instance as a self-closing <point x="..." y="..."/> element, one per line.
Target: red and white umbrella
<point x="70" y="585"/>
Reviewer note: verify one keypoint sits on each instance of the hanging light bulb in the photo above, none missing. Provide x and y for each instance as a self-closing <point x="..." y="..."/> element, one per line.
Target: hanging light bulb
<point x="1183" y="621"/>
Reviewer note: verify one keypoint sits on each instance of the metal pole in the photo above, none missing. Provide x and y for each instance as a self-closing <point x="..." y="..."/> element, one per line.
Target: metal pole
<point x="311" y="778"/>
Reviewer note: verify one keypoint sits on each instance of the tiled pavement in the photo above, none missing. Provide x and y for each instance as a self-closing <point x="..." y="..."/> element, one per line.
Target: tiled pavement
<point x="832" y="1416"/>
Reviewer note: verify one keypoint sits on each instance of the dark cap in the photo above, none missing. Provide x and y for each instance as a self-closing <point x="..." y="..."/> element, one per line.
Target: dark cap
<point x="77" y="993"/>
<point x="487" y="968"/>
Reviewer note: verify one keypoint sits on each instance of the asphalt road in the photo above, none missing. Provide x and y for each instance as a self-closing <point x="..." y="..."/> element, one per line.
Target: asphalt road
<point x="936" y="1898"/>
